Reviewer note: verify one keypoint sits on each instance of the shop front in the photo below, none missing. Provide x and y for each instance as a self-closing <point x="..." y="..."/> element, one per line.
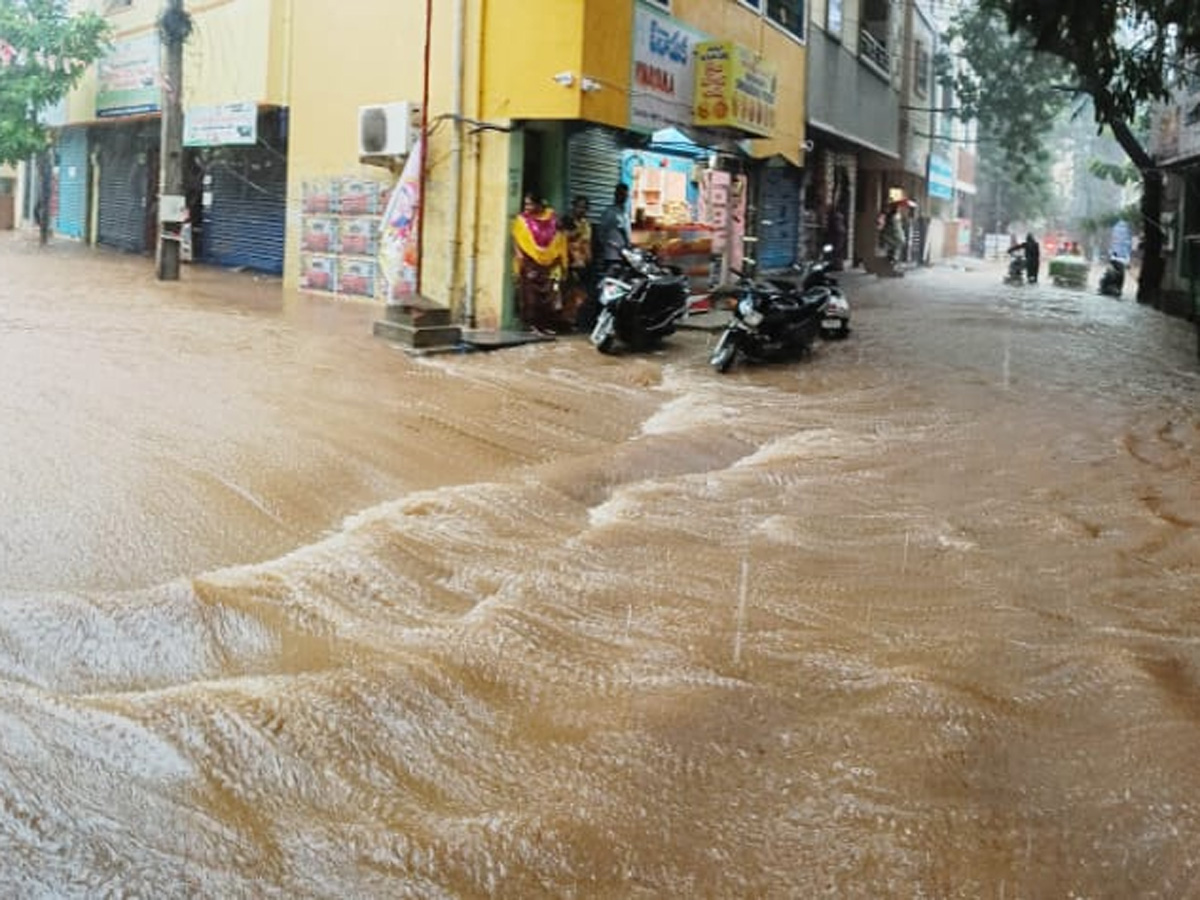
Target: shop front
<point x="235" y="184"/>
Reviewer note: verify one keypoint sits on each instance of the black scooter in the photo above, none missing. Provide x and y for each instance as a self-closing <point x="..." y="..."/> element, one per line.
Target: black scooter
<point x="769" y="322"/>
<point x="815" y="274"/>
<point x="641" y="302"/>
<point x="1112" y="281"/>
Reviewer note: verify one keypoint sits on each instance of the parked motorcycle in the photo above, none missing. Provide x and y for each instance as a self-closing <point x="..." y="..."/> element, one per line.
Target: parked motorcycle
<point x="817" y="273"/>
<point x="1112" y="281"/>
<point x="769" y="322"/>
<point x="641" y="302"/>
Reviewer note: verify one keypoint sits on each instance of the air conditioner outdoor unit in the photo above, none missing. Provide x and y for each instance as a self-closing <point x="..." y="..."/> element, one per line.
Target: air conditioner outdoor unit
<point x="388" y="129"/>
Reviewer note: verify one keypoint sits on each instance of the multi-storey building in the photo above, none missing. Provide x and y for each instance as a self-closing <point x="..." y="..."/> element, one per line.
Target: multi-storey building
<point x="855" y="78"/>
<point x="699" y="105"/>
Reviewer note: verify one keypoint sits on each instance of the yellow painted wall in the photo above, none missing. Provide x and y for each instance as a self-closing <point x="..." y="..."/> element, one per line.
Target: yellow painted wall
<point x="528" y="43"/>
<point x="731" y="21"/>
<point x="608" y="37"/>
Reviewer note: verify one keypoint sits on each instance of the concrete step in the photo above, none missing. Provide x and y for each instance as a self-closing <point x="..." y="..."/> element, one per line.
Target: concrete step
<point x="417" y="312"/>
<point x="418" y="336"/>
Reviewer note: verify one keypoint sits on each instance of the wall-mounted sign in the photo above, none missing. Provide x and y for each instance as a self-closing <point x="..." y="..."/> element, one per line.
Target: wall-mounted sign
<point x="216" y="126"/>
<point x="735" y="88"/>
<point x="941" y="177"/>
<point x="128" y="79"/>
<point x="662" y="80"/>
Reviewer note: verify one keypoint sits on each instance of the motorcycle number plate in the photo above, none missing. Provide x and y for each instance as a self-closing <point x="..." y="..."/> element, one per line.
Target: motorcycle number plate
<point x="831" y="323"/>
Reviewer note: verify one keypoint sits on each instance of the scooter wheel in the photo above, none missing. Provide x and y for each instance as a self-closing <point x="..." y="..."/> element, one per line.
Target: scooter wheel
<point x="722" y="357"/>
<point x="604" y="334"/>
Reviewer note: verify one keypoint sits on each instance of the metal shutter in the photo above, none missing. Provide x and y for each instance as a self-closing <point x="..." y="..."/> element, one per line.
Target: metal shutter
<point x="244" y="223"/>
<point x="124" y="185"/>
<point x="780" y="205"/>
<point x="72" y="182"/>
<point x="593" y="166"/>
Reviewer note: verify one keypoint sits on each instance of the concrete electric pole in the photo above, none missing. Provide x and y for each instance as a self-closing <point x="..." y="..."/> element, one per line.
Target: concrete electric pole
<point x="174" y="26"/>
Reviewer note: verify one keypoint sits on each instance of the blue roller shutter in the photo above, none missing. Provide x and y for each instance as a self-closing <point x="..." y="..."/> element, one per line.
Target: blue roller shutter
<point x="780" y="207"/>
<point x="72" y="183"/>
<point x="244" y="222"/>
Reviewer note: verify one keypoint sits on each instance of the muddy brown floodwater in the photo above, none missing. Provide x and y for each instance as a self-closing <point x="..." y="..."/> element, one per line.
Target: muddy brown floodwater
<point x="287" y="613"/>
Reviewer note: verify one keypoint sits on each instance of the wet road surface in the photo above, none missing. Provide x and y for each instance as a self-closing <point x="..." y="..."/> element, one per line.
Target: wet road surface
<point x="285" y="612"/>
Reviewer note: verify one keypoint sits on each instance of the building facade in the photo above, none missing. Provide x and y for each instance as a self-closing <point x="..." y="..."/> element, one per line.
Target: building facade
<point x="562" y="97"/>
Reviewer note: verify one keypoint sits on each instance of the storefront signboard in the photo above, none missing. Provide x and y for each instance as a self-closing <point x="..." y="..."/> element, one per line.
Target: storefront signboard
<point x="662" y="77"/>
<point x="941" y="177"/>
<point x="128" y="79"/>
<point x="735" y="88"/>
<point x="218" y="126"/>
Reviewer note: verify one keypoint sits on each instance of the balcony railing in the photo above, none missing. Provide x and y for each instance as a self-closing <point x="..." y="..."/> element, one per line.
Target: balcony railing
<point x="876" y="51"/>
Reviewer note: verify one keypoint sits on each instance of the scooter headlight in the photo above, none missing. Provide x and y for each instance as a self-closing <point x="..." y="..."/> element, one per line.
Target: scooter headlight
<point x="612" y="289"/>
<point x="748" y="313"/>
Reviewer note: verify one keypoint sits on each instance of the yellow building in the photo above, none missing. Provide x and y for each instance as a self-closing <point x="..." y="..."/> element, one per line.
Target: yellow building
<point x="563" y="97"/>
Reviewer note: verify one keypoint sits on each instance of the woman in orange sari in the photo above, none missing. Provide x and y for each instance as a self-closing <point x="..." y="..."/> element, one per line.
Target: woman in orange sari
<point x="539" y="263"/>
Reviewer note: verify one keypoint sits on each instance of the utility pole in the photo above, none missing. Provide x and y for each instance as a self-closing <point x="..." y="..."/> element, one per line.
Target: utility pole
<point x="174" y="26"/>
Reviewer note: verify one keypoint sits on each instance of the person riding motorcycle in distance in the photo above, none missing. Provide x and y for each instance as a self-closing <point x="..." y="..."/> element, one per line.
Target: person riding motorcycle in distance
<point x="1033" y="252"/>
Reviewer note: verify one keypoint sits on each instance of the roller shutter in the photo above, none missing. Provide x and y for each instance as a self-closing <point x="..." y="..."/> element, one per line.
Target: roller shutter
<point x="72" y="183"/>
<point x="780" y="207"/>
<point x="128" y="156"/>
<point x="244" y="220"/>
<point x="594" y="165"/>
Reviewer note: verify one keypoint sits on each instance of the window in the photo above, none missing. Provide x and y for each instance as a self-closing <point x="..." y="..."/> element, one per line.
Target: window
<point x="922" y="63"/>
<point x="833" y="17"/>
<point x="116" y="5"/>
<point x="665" y="4"/>
<point x="788" y="14"/>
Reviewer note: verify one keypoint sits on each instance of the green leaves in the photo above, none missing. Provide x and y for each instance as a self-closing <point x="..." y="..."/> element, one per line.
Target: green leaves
<point x="44" y="51"/>
<point x="1014" y="95"/>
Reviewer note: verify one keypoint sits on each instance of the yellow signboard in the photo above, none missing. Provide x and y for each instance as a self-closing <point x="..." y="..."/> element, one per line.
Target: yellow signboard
<point x="735" y="88"/>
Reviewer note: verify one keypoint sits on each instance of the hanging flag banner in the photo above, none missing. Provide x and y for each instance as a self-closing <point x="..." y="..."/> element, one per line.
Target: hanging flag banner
<point x="398" y="262"/>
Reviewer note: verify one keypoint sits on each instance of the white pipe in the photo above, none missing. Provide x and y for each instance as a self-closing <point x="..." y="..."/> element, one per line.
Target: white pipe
<point x="473" y="257"/>
<point x="456" y="154"/>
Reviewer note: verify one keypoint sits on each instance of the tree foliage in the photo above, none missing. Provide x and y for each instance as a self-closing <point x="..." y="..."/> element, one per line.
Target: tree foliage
<point x="1009" y="91"/>
<point x="44" y="51"/>
<point x="1123" y="54"/>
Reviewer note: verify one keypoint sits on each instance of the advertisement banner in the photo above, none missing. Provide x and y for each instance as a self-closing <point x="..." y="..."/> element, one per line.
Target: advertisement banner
<point x="662" y="78"/>
<point x="734" y="89"/>
<point x="397" y="245"/>
<point x="128" y="79"/>
<point x="218" y="126"/>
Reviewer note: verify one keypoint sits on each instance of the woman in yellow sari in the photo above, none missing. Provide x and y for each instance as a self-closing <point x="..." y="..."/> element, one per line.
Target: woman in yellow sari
<point x="539" y="264"/>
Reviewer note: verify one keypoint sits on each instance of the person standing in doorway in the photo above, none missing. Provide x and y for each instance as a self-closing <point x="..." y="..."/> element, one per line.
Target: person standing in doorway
<point x="539" y="264"/>
<point x="615" y="233"/>
<point x="577" y="298"/>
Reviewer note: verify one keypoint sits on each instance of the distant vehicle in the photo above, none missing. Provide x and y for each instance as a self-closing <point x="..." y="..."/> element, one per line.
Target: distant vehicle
<point x="1112" y="282"/>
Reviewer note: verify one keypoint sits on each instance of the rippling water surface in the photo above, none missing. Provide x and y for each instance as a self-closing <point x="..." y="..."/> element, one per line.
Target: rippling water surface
<point x="284" y="612"/>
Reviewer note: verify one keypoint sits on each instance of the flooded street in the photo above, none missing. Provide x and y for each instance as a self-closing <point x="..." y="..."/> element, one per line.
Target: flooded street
<point x="287" y="613"/>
